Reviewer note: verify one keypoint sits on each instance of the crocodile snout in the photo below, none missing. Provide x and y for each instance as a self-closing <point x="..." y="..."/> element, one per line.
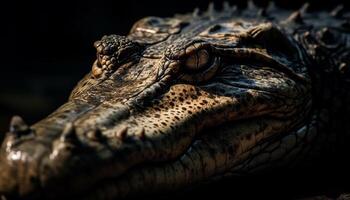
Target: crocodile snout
<point x="20" y="158"/>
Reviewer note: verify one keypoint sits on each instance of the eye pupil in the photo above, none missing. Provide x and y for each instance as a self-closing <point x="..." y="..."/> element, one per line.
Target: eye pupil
<point x="203" y="58"/>
<point x="197" y="60"/>
<point x="191" y="62"/>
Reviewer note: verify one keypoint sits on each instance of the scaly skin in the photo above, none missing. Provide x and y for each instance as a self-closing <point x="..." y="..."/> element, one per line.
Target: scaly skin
<point x="188" y="99"/>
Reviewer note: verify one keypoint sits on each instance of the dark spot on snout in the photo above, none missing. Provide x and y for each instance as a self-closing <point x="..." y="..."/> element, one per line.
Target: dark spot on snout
<point x="215" y="28"/>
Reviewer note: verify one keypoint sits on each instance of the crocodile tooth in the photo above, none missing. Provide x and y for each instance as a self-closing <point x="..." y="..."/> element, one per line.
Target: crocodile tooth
<point x="18" y="126"/>
<point x="251" y="5"/>
<point x="305" y="7"/>
<point x="195" y="12"/>
<point x="141" y="133"/>
<point x="122" y="133"/>
<point x="69" y="134"/>
<point x="262" y="12"/>
<point x="295" y="17"/>
<point x="226" y="6"/>
<point x="211" y="9"/>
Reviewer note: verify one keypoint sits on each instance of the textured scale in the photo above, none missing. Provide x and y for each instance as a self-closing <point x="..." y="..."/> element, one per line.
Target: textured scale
<point x="189" y="99"/>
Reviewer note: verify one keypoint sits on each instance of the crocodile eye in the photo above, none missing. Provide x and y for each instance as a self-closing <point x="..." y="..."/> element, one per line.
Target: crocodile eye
<point x="197" y="60"/>
<point x="200" y="66"/>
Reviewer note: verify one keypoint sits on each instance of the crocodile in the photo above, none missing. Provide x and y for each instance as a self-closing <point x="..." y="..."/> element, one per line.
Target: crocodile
<point x="190" y="99"/>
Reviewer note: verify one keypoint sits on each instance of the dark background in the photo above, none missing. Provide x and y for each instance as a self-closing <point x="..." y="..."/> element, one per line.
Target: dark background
<point x="47" y="48"/>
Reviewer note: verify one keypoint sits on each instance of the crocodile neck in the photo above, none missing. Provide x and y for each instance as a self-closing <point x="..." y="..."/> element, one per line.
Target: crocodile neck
<point x="331" y="86"/>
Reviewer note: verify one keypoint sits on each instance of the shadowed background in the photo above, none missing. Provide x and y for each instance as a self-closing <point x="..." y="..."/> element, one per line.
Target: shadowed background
<point x="48" y="46"/>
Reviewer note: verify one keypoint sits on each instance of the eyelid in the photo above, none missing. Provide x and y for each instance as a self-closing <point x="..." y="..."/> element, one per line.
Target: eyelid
<point x="96" y="70"/>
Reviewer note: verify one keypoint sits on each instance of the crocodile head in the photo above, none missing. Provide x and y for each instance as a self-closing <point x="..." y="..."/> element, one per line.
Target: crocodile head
<point x="178" y="101"/>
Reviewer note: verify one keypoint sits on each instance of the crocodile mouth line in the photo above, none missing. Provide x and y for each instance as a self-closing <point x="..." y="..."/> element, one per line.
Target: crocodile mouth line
<point x="127" y="177"/>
